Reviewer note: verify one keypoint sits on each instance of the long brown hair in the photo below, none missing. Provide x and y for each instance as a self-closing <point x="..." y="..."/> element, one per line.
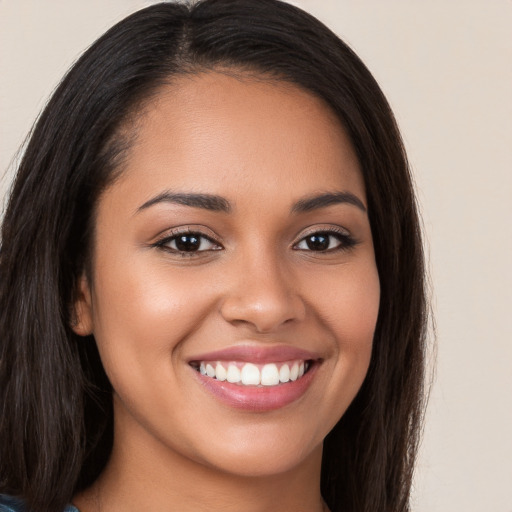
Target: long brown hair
<point x="55" y="400"/>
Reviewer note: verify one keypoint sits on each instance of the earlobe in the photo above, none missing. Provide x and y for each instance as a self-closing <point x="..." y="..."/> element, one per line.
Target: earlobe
<point x="81" y="316"/>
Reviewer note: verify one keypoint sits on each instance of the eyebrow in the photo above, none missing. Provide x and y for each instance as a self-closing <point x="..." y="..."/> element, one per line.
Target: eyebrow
<point x="220" y="204"/>
<point x="327" y="199"/>
<point x="205" y="201"/>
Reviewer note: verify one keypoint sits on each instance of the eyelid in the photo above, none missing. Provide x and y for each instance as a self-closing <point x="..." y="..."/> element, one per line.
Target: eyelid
<point x="166" y="236"/>
<point x="347" y="240"/>
<point x="322" y="228"/>
<point x="185" y="229"/>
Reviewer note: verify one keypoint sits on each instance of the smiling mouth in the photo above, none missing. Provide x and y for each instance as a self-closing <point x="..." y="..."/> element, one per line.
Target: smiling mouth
<point x="252" y="374"/>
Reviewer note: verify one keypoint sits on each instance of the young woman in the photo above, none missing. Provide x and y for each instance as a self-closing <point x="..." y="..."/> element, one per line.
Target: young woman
<point x="211" y="271"/>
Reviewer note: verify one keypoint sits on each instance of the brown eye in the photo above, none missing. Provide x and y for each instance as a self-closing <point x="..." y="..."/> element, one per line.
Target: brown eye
<point x="325" y="241"/>
<point x="188" y="243"/>
<point x="318" y="242"/>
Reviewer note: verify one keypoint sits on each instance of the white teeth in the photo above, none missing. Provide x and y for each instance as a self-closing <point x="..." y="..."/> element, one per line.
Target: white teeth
<point x="250" y="375"/>
<point x="220" y="372"/>
<point x="210" y="370"/>
<point x="270" y="375"/>
<point x="294" y="372"/>
<point x="284" y="373"/>
<point x="233" y="374"/>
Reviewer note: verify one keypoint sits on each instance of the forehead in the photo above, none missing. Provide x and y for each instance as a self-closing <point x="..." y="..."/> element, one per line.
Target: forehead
<point x="212" y="132"/>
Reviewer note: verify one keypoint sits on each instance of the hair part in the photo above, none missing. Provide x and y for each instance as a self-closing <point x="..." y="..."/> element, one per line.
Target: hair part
<point x="55" y="399"/>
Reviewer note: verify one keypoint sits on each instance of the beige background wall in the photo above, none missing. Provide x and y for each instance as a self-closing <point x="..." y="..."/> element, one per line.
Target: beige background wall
<point x="446" y="67"/>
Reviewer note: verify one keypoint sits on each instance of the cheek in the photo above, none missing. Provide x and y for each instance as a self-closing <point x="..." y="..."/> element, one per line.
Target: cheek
<point x="142" y="312"/>
<point x="348" y="303"/>
<point x="348" y="307"/>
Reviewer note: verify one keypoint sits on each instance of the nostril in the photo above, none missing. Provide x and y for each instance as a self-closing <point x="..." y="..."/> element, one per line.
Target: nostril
<point x="263" y="312"/>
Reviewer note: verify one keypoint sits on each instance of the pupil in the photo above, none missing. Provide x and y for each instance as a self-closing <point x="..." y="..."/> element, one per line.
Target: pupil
<point x="318" y="242"/>
<point x="187" y="243"/>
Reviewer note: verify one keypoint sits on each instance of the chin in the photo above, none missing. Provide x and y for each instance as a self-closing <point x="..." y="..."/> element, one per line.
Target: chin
<point x="262" y="451"/>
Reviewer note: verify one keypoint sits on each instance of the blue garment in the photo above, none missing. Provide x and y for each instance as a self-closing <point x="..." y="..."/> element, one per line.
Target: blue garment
<point x="10" y="504"/>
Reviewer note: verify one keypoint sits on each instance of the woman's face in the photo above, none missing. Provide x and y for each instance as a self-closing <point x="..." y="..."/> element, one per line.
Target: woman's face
<point x="233" y="254"/>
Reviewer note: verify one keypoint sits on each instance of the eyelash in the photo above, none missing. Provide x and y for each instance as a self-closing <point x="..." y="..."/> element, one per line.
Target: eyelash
<point x="345" y="242"/>
<point x="173" y="237"/>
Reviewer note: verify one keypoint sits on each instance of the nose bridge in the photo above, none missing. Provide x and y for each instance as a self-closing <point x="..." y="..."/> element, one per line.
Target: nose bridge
<point x="263" y="291"/>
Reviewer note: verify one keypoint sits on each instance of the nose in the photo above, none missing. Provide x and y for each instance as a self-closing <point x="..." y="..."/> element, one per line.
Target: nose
<point x="262" y="295"/>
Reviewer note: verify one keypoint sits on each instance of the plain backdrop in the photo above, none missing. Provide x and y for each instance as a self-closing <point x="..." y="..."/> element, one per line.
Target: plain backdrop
<point x="446" y="68"/>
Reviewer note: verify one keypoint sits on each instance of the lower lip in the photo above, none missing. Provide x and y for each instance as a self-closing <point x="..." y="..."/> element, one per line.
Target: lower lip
<point x="258" y="398"/>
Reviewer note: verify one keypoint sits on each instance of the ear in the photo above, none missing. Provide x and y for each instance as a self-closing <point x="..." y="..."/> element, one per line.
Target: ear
<point x="81" y="317"/>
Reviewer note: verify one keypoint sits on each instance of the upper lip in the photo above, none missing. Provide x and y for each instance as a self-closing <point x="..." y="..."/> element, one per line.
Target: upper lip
<point x="257" y="354"/>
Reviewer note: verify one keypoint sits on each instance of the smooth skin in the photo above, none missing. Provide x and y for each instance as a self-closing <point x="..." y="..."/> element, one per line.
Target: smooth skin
<point x="257" y="270"/>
